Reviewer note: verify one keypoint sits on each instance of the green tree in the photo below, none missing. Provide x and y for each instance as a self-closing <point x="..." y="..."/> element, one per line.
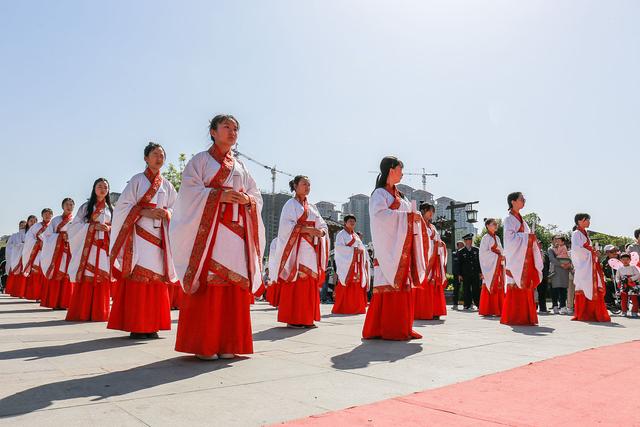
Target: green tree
<point x="173" y="174"/>
<point x="544" y="233"/>
<point x="605" y="239"/>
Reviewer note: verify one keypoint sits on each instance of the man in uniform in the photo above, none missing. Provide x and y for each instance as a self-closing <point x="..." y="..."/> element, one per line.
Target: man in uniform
<point x="470" y="274"/>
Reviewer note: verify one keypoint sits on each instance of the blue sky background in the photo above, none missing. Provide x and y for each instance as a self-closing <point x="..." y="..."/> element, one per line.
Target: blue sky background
<point x="495" y="96"/>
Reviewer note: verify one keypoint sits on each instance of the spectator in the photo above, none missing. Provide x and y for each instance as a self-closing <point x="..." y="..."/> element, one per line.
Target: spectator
<point x="609" y="275"/>
<point x="455" y="271"/>
<point x="559" y="269"/>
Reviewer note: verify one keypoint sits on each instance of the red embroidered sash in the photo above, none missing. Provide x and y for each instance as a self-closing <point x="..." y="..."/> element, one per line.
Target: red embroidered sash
<point x="497" y="281"/>
<point x="62" y="248"/>
<point x="295" y="240"/>
<point x="406" y="258"/>
<point x="211" y="212"/>
<point x="596" y="267"/>
<point x="89" y="241"/>
<point x="124" y="240"/>
<point x="530" y="278"/>
<point x="37" y="247"/>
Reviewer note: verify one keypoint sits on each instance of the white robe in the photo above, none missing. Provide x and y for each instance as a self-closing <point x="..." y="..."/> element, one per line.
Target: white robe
<point x="436" y="244"/>
<point x="30" y="240"/>
<point x="273" y="267"/>
<point x="14" y="251"/>
<point x="145" y="254"/>
<point x="391" y="231"/>
<point x="582" y="261"/>
<point x="241" y="256"/>
<point x="301" y="254"/>
<point x="350" y="251"/>
<point x="515" y="250"/>
<point x="49" y="242"/>
<point x="77" y="233"/>
<point x="489" y="259"/>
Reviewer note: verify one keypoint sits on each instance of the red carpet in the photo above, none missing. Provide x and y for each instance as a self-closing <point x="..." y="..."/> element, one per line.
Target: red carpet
<point x="592" y="387"/>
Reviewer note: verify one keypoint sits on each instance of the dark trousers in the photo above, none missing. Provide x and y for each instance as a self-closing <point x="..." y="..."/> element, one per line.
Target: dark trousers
<point x="456" y="290"/>
<point x="559" y="297"/>
<point x="471" y="287"/>
<point x="542" y="296"/>
<point x="609" y="298"/>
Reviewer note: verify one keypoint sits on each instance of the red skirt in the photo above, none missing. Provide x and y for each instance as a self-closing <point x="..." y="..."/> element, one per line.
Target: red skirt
<point x="390" y="316"/>
<point x="33" y="287"/>
<point x="491" y="302"/>
<point x="590" y="310"/>
<point x="350" y="299"/>
<point x="56" y="293"/>
<point x="519" y="307"/>
<point x="215" y="320"/>
<point x="299" y="302"/>
<point x="423" y="302"/>
<point x="89" y="301"/>
<point x="439" y="301"/>
<point x="273" y="294"/>
<point x="175" y="295"/>
<point x="140" y="307"/>
<point x="9" y="289"/>
<point x="19" y="286"/>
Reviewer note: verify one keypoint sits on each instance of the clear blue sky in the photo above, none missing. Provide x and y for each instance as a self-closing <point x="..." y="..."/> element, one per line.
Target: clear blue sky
<point x="327" y="88"/>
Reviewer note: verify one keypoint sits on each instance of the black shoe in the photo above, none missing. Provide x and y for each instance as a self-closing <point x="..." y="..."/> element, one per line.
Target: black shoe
<point x="153" y="335"/>
<point x="137" y="336"/>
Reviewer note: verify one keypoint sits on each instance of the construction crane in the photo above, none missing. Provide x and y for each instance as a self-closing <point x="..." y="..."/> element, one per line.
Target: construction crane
<point x="424" y="174"/>
<point x="271" y="169"/>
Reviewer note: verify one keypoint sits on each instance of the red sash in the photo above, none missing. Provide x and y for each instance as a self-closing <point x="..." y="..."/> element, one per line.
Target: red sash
<point x="36" y="248"/>
<point x="529" y="278"/>
<point x="355" y="269"/>
<point x="596" y="267"/>
<point x="212" y="211"/>
<point x="497" y="281"/>
<point x="295" y="238"/>
<point x="407" y="259"/>
<point x="89" y="241"/>
<point x="62" y="247"/>
<point x="124" y="240"/>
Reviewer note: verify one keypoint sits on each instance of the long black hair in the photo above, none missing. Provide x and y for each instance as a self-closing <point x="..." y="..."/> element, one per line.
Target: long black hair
<point x="512" y="197"/>
<point x="28" y="218"/>
<point x="579" y="217"/>
<point x="387" y="163"/>
<point x="94" y="198"/>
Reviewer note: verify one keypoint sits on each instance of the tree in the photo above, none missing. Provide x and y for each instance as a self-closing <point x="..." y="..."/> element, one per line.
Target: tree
<point x="606" y="239"/>
<point x="173" y="174"/>
<point x="544" y="233"/>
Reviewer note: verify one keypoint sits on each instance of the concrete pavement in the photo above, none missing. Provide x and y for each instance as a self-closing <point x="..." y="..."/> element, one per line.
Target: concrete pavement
<point x="54" y="372"/>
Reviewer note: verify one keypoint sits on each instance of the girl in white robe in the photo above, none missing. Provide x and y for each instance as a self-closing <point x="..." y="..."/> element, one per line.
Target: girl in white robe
<point x="15" y="279"/>
<point x="523" y="266"/>
<point x="31" y="257"/>
<point x="352" y="268"/>
<point x="301" y="257"/>
<point x="55" y="259"/>
<point x="493" y="273"/>
<point x="217" y="240"/>
<point x="141" y="253"/>
<point x="588" y="277"/>
<point x="399" y="257"/>
<point x="89" y="269"/>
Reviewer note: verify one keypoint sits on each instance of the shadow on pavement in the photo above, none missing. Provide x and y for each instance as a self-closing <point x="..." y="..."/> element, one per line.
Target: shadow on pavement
<point x="44" y="324"/>
<point x="29" y="310"/>
<point x="375" y="351"/>
<point x="277" y="333"/>
<point x="537" y="331"/>
<point x="109" y="385"/>
<point x="606" y="324"/>
<point x="17" y="301"/>
<point x="36" y="353"/>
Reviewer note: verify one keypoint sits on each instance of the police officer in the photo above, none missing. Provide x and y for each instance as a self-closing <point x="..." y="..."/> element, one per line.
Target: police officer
<point x="470" y="273"/>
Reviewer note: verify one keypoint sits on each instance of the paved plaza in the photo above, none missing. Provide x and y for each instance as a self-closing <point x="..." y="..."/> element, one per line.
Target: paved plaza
<point x="59" y="373"/>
